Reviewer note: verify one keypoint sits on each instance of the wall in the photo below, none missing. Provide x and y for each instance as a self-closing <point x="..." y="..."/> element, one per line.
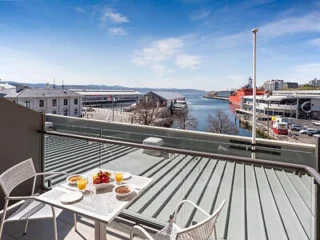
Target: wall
<point x="48" y="108"/>
<point x="19" y="140"/>
<point x="191" y="140"/>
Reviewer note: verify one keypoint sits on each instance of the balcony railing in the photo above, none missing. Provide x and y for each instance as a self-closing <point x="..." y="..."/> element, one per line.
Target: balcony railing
<point x="270" y="197"/>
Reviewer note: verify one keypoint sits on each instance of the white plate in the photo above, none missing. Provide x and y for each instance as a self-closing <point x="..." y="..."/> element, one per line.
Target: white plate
<point x="71" y="197"/>
<point x="123" y="194"/>
<point x="127" y="175"/>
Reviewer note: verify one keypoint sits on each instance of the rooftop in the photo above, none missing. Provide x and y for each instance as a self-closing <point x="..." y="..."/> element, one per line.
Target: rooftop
<point x="260" y="201"/>
<point x="41" y="93"/>
<point x="168" y="95"/>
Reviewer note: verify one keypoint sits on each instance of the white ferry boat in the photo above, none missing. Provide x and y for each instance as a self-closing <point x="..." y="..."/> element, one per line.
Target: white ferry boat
<point x="180" y="106"/>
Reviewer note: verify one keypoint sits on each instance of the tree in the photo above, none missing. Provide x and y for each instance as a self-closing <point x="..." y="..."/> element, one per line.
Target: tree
<point x="221" y="123"/>
<point x="185" y="121"/>
<point x="145" y="111"/>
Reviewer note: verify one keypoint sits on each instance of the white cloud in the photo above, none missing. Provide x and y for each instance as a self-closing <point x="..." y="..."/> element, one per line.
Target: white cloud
<point x="236" y="77"/>
<point x="309" y="68"/>
<point x="118" y="31"/>
<point x="113" y="16"/>
<point x="315" y="42"/>
<point x="306" y="23"/>
<point x="164" y="54"/>
<point x="200" y="15"/>
<point x="79" y="9"/>
<point x="283" y="27"/>
<point x="187" y="61"/>
<point x="159" y="51"/>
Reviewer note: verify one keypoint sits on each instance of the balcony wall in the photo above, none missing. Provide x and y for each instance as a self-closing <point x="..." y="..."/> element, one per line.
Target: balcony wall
<point x="191" y="140"/>
<point x="19" y="140"/>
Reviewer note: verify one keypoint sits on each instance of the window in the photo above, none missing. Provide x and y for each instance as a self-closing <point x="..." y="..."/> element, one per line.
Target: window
<point x="54" y="102"/>
<point x="76" y="101"/>
<point x="41" y="103"/>
<point x="76" y="112"/>
<point x="65" y="112"/>
<point x="54" y="112"/>
<point x="65" y="102"/>
<point x="28" y="104"/>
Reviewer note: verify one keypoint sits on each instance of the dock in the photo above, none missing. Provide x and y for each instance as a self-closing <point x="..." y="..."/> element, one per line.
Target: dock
<point x="216" y="97"/>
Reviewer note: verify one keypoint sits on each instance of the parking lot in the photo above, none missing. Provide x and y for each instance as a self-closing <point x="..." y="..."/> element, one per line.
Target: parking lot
<point x="295" y="136"/>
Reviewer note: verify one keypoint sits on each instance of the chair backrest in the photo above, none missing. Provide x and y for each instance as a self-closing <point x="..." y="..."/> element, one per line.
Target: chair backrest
<point x="16" y="175"/>
<point x="202" y="230"/>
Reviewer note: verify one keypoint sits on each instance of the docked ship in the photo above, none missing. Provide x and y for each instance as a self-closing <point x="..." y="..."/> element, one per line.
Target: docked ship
<point x="236" y="96"/>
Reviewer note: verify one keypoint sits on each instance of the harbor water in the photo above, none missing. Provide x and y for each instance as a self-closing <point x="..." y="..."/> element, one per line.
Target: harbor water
<point x="200" y="108"/>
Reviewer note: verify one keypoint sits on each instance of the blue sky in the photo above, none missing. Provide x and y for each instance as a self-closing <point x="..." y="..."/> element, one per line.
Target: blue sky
<point x="198" y="44"/>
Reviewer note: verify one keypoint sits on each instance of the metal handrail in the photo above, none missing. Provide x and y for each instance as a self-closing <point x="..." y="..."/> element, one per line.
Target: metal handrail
<point x="301" y="168"/>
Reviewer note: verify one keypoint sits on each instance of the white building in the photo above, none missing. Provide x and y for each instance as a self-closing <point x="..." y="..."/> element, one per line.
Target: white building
<point x="315" y="82"/>
<point x="273" y="85"/>
<point x="6" y="86"/>
<point x="102" y="96"/>
<point x="55" y="101"/>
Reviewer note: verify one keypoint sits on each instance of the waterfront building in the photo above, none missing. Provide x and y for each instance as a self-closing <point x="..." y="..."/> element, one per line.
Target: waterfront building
<point x="291" y="85"/>
<point x="55" y="101"/>
<point x="313" y="93"/>
<point x="315" y="82"/>
<point x="95" y="97"/>
<point x="295" y="106"/>
<point x="165" y="98"/>
<point x="4" y="86"/>
<point x="273" y="85"/>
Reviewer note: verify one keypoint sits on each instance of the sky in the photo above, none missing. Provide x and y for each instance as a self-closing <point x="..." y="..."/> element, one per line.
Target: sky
<point x="200" y="44"/>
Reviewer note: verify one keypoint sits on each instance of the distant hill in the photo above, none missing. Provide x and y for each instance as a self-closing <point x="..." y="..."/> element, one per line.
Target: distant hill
<point x="100" y="87"/>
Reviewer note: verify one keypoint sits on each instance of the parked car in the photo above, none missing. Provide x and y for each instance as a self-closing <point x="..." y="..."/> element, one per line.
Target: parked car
<point x="305" y="131"/>
<point x="311" y="133"/>
<point x="297" y="127"/>
<point x="316" y="135"/>
<point x="316" y="123"/>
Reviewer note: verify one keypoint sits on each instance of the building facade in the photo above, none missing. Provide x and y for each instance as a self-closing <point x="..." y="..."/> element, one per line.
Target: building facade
<point x="291" y="85"/>
<point x="315" y="82"/>
<point x="54" y="101"/>
<point x="95" y="97"/>
<point x="165" y="99"/>
<point x="273" y="85"/>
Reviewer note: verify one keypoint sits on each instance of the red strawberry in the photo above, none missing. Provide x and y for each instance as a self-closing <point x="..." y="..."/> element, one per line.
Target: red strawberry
<point x="96" y="181"/>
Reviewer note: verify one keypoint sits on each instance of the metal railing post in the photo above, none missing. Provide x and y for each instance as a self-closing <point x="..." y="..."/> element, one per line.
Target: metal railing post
<point x="317" y="195"/>
<point x="42" y="149"/>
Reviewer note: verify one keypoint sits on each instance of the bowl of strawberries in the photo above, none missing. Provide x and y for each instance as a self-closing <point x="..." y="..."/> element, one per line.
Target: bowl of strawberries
<point x="102" y="179"/>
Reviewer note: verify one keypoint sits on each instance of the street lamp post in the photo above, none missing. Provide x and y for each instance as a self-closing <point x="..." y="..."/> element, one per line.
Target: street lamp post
<point x="254" y="127"/>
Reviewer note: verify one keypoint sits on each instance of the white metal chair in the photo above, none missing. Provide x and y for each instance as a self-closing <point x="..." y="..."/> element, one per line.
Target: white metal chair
<point x="200" y="231"/>
<point x="30" y="209"/>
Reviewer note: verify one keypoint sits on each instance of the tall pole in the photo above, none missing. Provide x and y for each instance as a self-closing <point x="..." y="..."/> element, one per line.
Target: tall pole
<point x="254" y="127"/>
<point x="112" y="108"/>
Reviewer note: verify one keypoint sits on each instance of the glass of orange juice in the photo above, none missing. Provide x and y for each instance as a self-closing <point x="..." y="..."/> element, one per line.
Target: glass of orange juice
<point x="82" y="184"/>
<point x="119" y="176"/>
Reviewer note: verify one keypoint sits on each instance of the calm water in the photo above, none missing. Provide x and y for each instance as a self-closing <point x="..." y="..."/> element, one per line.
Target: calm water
<point x="201" y="107"/>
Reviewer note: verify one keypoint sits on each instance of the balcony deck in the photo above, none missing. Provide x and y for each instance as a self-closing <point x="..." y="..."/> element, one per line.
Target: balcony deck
<point x="262" y="203"/>
<point x="43" y="229"/>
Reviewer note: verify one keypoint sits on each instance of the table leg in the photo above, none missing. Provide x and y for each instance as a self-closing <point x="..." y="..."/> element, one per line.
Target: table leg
<point x="100" y="232"/>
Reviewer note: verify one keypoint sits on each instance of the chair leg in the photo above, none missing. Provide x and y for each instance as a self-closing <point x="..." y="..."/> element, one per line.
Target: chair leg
<point x="75" y="222"/>
<point x="215" y="232"/>
<point x="26" y="227"/>
<point x="3" y="217"/>
<point x="54" y="224"/>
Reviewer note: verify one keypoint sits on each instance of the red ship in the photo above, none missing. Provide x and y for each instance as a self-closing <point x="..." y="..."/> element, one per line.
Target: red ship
<point x="235" y="96"/>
